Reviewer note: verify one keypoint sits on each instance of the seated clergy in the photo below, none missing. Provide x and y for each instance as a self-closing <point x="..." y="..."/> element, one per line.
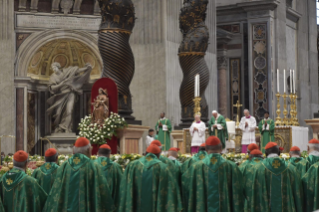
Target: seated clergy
<point x="301" y="164"/>
<point x="79" y="184"/>
<point x="313" y="151"/>
<point x="147" y="186"/>
<point x="45" y="174"/>
<point x="274" y="185"/>
<point x="214" y="183"/>
<point x="112" y="171"/>
<point x="197" y="157"/>
<point x="19" y="191"/>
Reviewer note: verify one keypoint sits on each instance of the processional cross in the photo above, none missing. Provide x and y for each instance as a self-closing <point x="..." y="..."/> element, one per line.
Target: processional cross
<point x="238" y="106"/>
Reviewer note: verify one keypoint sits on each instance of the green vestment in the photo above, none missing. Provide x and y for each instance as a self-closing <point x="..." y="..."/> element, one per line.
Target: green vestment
<point x="197" y="157"/>
<point x="114" y="174"/>
<point x="310" y="182"/>
<point x="213" y="184"/>
<point x="164" y="136"/>
<point x="221" y="134"/>
<point x="266" y="135"/>
<point x="275" y="186"/>
<point x="312" y="159"/>
<point x="301" y="164"/>
<point x="147" y="187"/>
<point x="45" y="175"/>
<point x="21" y="193"/>
<point x="80" y="186"/>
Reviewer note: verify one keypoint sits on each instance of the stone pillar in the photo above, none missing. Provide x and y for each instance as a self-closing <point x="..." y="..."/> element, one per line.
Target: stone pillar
<point x="7" y="45"/>
<point x="222" y="67"/>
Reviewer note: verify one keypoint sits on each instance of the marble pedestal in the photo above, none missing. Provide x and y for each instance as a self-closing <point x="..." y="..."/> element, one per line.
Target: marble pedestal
<point x="314" y="123"/>
<point x="63" y="142"/>
<point x="131" y="140"/>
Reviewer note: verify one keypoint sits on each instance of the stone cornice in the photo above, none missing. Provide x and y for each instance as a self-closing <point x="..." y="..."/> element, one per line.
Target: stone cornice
<point x="292" y="15"/>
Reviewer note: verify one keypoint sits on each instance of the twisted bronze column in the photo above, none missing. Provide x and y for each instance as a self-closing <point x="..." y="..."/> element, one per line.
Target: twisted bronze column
<point x="191" y="57"/>
<point x="118" y="19"/>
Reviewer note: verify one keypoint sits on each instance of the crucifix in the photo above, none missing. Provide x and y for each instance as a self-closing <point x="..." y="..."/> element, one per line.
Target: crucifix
<point x="238" y="107"/>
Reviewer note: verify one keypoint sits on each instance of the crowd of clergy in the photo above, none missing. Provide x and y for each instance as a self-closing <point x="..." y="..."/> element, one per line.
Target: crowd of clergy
<point x="156" y="183"/>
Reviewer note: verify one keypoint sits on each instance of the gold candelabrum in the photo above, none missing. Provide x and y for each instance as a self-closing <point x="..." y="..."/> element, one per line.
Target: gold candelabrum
<point x="285" y="121"/>
<point x="238" y="106"/>
<point x="278" y="118"/>
<point x="295" y="120"/>
<point x="292" y="110"/>
<point x="197" y="108"/>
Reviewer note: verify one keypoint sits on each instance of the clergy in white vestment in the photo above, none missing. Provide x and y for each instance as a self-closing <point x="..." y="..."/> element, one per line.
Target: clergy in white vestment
<point x="197" y="131"/>
<point x="248" y="126"/>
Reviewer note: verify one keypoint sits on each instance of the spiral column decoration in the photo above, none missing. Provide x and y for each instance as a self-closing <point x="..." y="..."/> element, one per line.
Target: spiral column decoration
<point x="118" y="19"/>
<point x="191" y="57"/>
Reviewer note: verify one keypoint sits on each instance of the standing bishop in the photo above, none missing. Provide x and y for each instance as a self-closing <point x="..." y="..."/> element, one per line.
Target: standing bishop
<point x="164" y="129"/>
<point x="248" y="126"/>
<point x="313" y="151"/>
<point x="80" y="185"/>
<point x="197" y="157"/>
<point x="301" y="164"/>
<point x="112" y="171"/>
<point x="198" y="132"/>
<point x="147" y="185"/>
<point x="19" y="191"/>
<point x="45" y="174"/>
<point x="217" y="126"/>
<point x="267" y="130"/>
<point x="274" y="185"/>
<point x="213" y="184"/>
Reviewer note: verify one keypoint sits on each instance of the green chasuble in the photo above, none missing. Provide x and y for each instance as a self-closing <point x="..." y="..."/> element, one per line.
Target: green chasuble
<point x="275" y="187"/>
<point x="312" y="159"/>
<point x="21" y="193"/>
<point x="267" y="135"/>
<point x="213" y="184"/>
<point x="310" y="182"/>
<point x="301" y="164"/>
<point x="114" y="174"/>
<point x="45" y="175"/>
<point x="79" y="186"/>
<point x="147" y="187"/>
<point x="197" y="157"/>
<point x="221" y="134"/>
<point x="164" y="136"/>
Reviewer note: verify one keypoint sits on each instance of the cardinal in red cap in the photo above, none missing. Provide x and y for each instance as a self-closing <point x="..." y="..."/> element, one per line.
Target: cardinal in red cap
<point x="19" y="191"/>
<point x="301" y="164"/>
<point x="78" y="178"/>
<point x="211" y="174"/>
<point x="266" y="194"/>
<point x="313" y="151"/>
<point x="173" y="153"/>
<point x="45" y="174"/>
<point x="148" y="176"/>
<point x="113" y="172"/>
<point x="197" y="157"/>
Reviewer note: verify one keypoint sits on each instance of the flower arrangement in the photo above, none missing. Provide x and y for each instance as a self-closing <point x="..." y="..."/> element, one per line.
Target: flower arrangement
<point x="98" y="134"/>
<point x="125" y="159"/>
<point x="183" y="157"/>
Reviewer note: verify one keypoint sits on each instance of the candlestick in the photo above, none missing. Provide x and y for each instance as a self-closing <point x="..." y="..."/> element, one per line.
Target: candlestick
<point x="197" y="107"/>
<point x="294" y="80"/>
<point x="277" y="80"/>
<point x="296" y="122"/>
<point x="278" y="118"/>
<point x="285" y="112"/>
<point x="284" y="80"/>
<point x="292" y="111"/>
<point x="290" y="77"/>
<point x="197" y="85"/>
<point x="238" y="106"/>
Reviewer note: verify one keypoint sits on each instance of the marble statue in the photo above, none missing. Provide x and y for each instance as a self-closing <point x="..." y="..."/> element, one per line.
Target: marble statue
<point x="101" y="107"/>
<point x="65" y="85"/>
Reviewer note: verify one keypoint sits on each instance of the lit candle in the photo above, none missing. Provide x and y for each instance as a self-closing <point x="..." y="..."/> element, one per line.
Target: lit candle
<point x="277" y="80"/>
<point x="290" y="81"/>
<point x="197" y="85"/>
<point x="294" y="74"/>
<point x="284" y="80"/>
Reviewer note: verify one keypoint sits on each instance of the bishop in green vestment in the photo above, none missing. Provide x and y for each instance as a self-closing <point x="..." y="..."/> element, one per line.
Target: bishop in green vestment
<point x="112" y="171"/>
<point x="267" y="130"/>
<point x="301" y="164"/>
<point x="197" y="157"/>
<point x="164" y="129"/>
<point x="19" y="192"/>
<point x="147" y="187"/>
<point x="218" y="124"/>
<point x="172" y="156"/>
<point x="313" y="151"/>
<point x="275" y="185"/>
<point x="213" y="184"/>
<point x="80" y="185"/>
<point x="45" y="174"/>
<point x="310" y="182"/>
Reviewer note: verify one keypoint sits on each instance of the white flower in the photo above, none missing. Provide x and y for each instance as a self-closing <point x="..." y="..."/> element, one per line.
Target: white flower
<point x="112" y="126"/>
<point x="66" y="157"/>
<point x="109" y="134"/>
<point x="108" y="129"/>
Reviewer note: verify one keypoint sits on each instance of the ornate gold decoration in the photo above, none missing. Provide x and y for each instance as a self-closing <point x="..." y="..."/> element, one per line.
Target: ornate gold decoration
<point x="295" y="120"/>
<point x="278" y="118"/>
<point x="197" y="109"/>
<point x="20" y="37"/>
<point x="285" y="120"/>
<point x="149" y="158"/>
<point x="104" y="163"/>
<point x="292" y="110"/>
<point x="201" y="157"/>
<point x="238" y="108"/>
<point x="9" y="181"/>
<point x="213" y="160"/>
<point x="257" y="160"/>
<point x="67" y="52"/>
<point x="276" y="164"/>
<point x="48" y="166"/>
<point x="191" y="53"/>
<point x="76" y="160"/>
